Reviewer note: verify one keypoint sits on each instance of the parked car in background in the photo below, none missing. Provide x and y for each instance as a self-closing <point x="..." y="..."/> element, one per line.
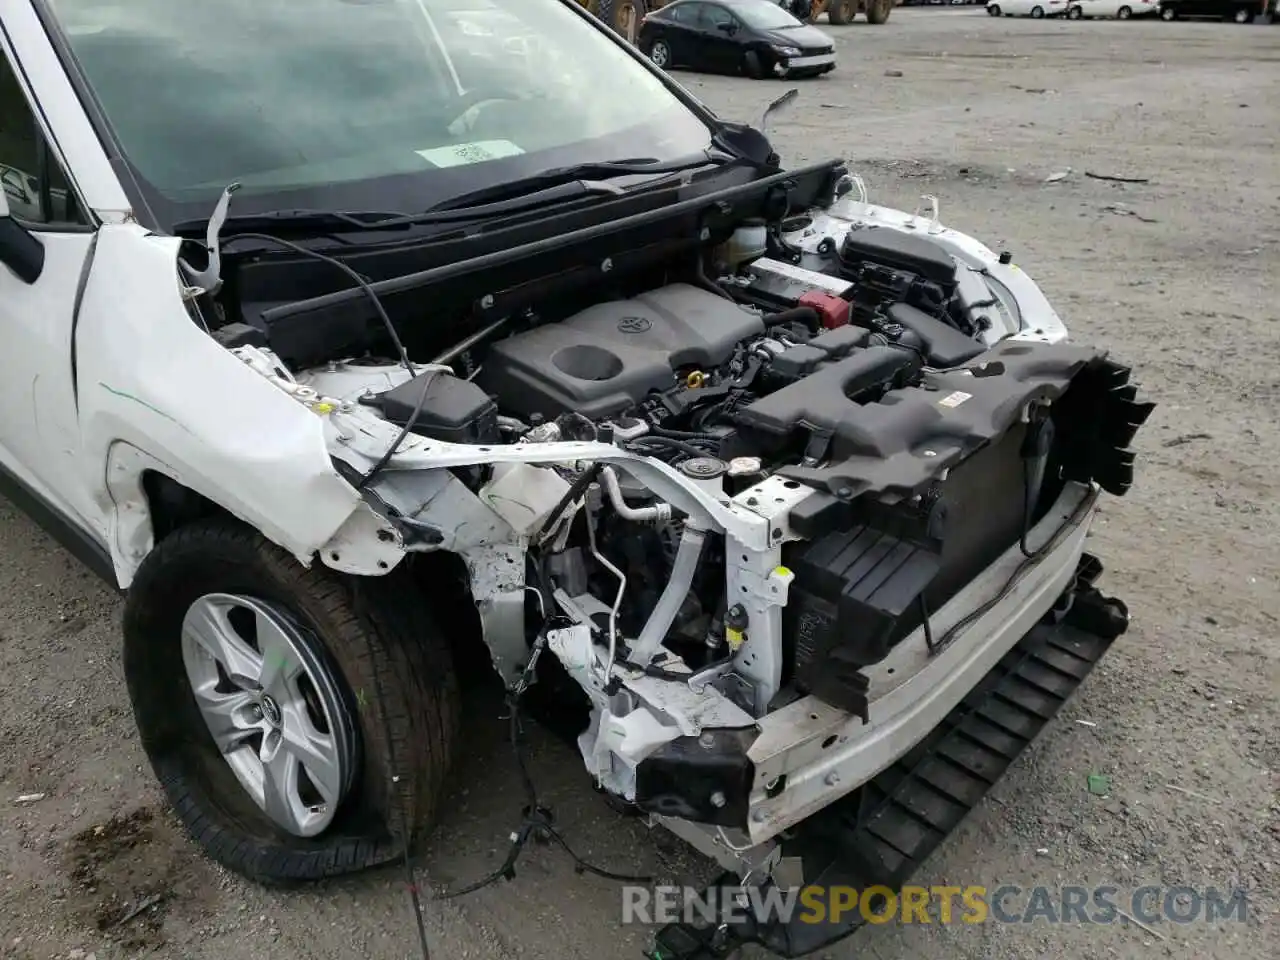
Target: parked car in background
<point x="1237" y="11"/>
<point x="1108" y="9"/>
<point x="1112" y="9"/>
<point x="754" y="37"/>
<point x="1028" y="8"/>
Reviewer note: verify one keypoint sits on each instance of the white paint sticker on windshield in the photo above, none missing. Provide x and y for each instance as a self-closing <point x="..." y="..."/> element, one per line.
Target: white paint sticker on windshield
<point x="463" y="153"/>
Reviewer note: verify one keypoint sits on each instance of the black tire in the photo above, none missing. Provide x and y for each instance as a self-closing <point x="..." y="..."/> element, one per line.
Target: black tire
<point x="1124" y="13"/>
<point x="1037" y="13"/>
<point x="369" y="634"/>
<point x="993" y="10"/>
<point x="1074" y="13"/>
<point x="841" y="12"/>
<point x="1242" y="15"/>
<point x="1168" y="14"/>
<point x="878" y="11"/>
<point x="623" y="16"/>
<point x="751" y="65"/>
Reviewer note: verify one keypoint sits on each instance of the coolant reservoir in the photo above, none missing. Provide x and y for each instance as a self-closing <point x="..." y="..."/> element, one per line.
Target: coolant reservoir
<point x="749" y="242"/>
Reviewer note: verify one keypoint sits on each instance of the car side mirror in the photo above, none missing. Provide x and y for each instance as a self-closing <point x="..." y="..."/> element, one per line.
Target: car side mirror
<point x="729" y="28"/>
<point x="20" y="249"/>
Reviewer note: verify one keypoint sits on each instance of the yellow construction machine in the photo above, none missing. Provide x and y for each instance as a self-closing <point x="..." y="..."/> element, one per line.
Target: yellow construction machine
<point x="623" y="16"/>
<point x="840" y="12"/>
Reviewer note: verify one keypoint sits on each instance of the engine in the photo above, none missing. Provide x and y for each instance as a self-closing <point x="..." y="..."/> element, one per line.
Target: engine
<point x="731" y="370"/>
<point x="866" y="382"/>
<point x="774" y="368"/>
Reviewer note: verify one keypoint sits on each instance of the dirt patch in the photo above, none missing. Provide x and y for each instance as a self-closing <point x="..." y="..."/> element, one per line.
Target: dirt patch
<point x="128" y="873"/>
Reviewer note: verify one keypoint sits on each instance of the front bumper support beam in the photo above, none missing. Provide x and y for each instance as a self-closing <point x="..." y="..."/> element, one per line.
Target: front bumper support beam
<point x="880" y="833"/>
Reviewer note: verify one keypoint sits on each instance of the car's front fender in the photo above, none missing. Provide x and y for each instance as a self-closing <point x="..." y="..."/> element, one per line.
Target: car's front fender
<point x="156" y="392"/>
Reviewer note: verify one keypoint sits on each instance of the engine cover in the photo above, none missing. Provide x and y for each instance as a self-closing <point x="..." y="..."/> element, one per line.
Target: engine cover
<point x="607" y="358"/>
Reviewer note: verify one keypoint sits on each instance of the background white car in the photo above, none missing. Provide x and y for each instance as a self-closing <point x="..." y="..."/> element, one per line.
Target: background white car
<point x="1028" y="8"/>
<point x="1117" y="9"/>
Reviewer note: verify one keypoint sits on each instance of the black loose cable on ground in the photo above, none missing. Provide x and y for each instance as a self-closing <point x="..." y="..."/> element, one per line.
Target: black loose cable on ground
<point x="537" y="822"/>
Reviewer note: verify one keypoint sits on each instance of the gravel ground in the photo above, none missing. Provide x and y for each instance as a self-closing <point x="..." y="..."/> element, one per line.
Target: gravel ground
<point x="1176" y="275"/>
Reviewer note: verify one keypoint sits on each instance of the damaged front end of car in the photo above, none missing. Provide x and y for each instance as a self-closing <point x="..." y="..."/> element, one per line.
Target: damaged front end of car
<point x="764" y="496"/>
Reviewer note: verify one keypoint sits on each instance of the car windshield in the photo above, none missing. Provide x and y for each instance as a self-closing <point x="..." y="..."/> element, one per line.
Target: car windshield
<point x="362" y="104"/>
<point x="763" y="15"/>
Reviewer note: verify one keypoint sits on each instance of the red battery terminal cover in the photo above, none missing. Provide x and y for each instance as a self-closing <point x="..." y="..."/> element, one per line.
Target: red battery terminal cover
<point x="833" y="310"/>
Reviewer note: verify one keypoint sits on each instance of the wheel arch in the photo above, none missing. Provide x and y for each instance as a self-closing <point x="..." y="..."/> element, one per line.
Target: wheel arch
<point x="150" y="500"/>
<point x="171" y="504"/>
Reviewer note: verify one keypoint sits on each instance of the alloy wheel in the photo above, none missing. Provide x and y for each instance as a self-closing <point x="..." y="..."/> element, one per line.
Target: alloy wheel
<point x="273" y="709"/>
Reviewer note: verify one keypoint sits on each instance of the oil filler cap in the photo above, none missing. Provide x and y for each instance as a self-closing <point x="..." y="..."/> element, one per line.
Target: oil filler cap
<point x="703" y="468"/>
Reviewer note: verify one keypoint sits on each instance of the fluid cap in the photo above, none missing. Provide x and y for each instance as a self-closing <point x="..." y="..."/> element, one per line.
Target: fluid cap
<point x="745" y="466"/>
<point x="703" y="468"/>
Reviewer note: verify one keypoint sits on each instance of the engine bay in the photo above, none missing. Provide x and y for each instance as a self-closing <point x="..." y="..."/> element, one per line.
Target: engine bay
<point x="719" y="480"/>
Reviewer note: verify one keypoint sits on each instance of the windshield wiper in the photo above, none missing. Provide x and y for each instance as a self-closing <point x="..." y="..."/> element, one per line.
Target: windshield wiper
<point x="556" y="184"/>
<point x="304" y="220"/>
<point x="513" y="196"/>
<point x="585" y="177"/>
<point x="311" y="222"/>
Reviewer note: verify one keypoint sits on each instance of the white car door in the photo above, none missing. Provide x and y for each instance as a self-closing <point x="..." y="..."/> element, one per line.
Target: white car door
<point x="1100" y="8"/>
<point x="1018" y="7"/>
<point x="45" y="243"/>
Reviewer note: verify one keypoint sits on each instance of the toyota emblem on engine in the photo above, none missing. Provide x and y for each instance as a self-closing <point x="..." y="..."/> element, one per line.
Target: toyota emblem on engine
<point x="634" y="324"/>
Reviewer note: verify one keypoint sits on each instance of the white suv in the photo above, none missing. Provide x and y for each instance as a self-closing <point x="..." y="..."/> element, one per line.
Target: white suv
<point x="347" y="346"/>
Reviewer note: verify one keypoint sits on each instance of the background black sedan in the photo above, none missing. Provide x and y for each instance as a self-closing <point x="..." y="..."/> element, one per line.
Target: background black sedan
<point x="1240" y="11"/>
<point x="755" y="37"/>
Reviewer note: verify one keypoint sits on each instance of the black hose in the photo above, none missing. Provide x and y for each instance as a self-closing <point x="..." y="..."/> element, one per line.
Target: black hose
<point x="806" y="315"/>
<point x="575" y="491"/>
<point x="700" y="274"/>
<point x="682" y="445"/>
<point x="681" y="435"/>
